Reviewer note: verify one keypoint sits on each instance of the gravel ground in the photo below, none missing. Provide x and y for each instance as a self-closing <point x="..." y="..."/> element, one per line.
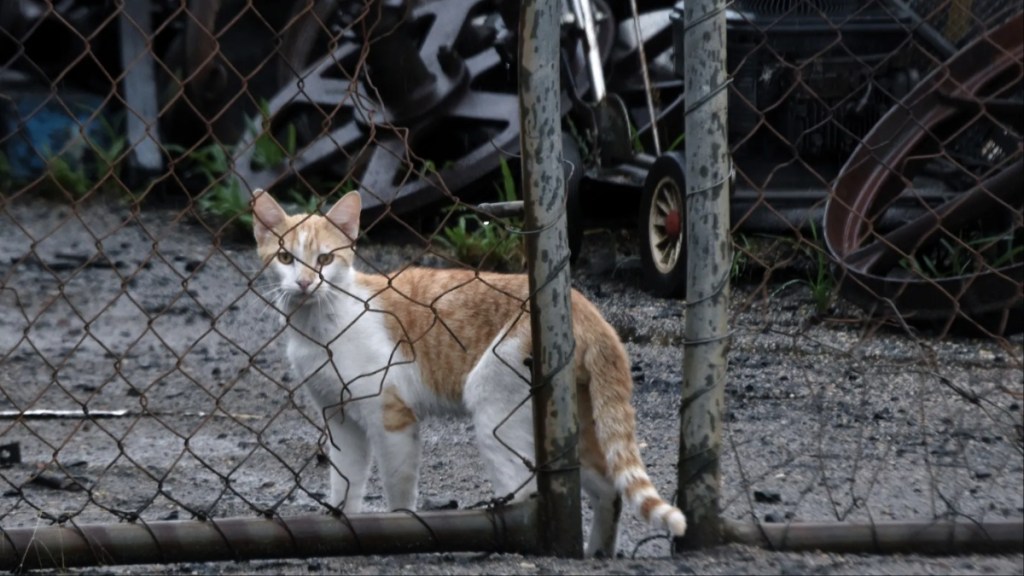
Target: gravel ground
<point x="829" y="417"/>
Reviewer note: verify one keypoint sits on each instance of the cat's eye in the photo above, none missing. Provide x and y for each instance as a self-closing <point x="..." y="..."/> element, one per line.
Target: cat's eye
<point x="284" y="257"/>
<point x="325" y="259"/>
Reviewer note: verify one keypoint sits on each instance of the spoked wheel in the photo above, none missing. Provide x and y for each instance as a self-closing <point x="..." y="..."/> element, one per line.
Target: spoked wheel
<point x="663" y="227"/>
<point x="960" y="261"/>
<point x="413" y="133"/>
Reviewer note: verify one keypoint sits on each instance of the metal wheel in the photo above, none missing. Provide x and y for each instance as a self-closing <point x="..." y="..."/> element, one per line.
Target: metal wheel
<point x="409" y="135"/>
<point x="663" y="227"/>
<point x="959" y="130"/>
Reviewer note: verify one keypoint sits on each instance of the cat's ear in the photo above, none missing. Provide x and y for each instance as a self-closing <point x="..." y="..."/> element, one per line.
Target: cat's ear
<point x="267" y="215"/>
<point x="345" y="214"/>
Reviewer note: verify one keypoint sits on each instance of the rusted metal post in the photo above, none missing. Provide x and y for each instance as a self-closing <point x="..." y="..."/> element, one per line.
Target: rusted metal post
<point x="510" y="529"/>
<point x="709" y="251"/>
<point x="554" y="392"/>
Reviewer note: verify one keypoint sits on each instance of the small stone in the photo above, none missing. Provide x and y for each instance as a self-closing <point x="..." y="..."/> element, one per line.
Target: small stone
<point x="440" y="504"/>
<point x="767" y="497"/>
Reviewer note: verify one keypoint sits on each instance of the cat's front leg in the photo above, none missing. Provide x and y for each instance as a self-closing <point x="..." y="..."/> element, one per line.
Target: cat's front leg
<point x="397" y="450"/>
<point x="349" y="453"/>
<point x="398" y="460"/>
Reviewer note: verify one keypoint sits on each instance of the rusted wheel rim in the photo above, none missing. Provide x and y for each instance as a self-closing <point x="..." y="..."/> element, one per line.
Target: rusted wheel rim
<point x="980" y="84"/>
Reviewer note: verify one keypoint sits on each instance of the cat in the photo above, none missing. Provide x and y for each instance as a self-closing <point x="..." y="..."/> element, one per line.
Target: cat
<point x="379" y="353"/>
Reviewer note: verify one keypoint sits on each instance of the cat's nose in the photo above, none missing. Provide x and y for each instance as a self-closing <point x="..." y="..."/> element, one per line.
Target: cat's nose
<point x="304" y="284"/>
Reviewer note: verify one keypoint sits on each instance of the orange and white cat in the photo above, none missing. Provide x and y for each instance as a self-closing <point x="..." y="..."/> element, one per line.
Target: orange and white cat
<point x="380" y="353"/>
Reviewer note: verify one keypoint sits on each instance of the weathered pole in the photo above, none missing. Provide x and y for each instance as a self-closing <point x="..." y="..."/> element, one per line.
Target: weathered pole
<point x="547" y="245"/>
<point x="708" y="169"/>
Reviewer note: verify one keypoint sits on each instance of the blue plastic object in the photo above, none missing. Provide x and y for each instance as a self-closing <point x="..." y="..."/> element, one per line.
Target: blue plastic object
<point x="37" y="125"/>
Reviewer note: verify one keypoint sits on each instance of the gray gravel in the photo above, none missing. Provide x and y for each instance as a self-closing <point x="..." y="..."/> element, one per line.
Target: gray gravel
<point x="829" y="417"/>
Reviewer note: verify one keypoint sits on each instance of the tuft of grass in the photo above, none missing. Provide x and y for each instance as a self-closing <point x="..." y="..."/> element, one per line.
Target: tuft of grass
<point x="678" y="142"/>
<point x="485" y="244"/>
<point x="818" y="275"/>
<point x="223" y="198"/>
<point x="820" y="279"/>
<point x="226" y="201"/>
<point x="87" y="166"/>
<point x="971" y="254"/>
<point x="740" y="256"/>
<point x="269" y="151"/>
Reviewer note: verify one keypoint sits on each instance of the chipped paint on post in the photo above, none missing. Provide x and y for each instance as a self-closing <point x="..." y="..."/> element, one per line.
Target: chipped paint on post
<point x="560" y="531"/>
<point x="708" y="168"/>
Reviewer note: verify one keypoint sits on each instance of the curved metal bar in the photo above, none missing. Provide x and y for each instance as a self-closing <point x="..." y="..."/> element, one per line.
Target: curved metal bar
<point x="922" y="127"/>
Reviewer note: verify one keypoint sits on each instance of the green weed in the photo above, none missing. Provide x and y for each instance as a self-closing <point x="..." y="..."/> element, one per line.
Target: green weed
<point x="223" y="198"/>
<point x="486" y="244"/>
<point x="268" y="151"/>
<point x="820" y="279"/>
<point x="675" y="144"/>
<point x="86" y="166"/>
<point x="818" y="275"/>
<point x="740" y="256"/>
<point x="964" y="256"/>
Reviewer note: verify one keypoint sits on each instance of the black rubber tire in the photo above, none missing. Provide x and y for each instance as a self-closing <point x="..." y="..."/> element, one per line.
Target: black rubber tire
<point x="663" y="243"/>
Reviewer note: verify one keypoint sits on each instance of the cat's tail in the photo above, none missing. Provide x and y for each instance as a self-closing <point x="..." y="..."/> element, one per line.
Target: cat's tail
<point x="611" y="386"/>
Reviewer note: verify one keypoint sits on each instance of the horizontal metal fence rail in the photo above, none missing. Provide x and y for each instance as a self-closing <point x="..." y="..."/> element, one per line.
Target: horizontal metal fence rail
<point x="508" y="529"/>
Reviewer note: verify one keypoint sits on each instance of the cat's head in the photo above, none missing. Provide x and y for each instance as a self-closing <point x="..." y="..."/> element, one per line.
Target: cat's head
<point x="309" y="253"/>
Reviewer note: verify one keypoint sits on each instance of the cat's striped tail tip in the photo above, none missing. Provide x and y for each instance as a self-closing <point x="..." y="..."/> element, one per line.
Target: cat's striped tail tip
<point x="673" y="519"/>
<point x="676" y="523"/>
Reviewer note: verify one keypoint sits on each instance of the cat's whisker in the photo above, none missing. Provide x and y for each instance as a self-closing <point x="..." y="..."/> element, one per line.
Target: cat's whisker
<point x="332" y="304"/>
<point x="272" y="297"/>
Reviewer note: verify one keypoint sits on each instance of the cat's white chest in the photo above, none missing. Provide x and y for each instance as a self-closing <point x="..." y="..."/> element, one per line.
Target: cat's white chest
<point x="341" y="354"/>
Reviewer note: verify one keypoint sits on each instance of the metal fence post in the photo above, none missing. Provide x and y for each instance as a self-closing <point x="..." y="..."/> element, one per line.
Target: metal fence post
<point x="554" y="401"/>
<point x="709" y="251"/>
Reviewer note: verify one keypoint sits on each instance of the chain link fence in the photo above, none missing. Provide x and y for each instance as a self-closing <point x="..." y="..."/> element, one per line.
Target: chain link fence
<point x="144" y="342"/>
<point x="877" y="268"/>
<point x="875" y="370"/>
